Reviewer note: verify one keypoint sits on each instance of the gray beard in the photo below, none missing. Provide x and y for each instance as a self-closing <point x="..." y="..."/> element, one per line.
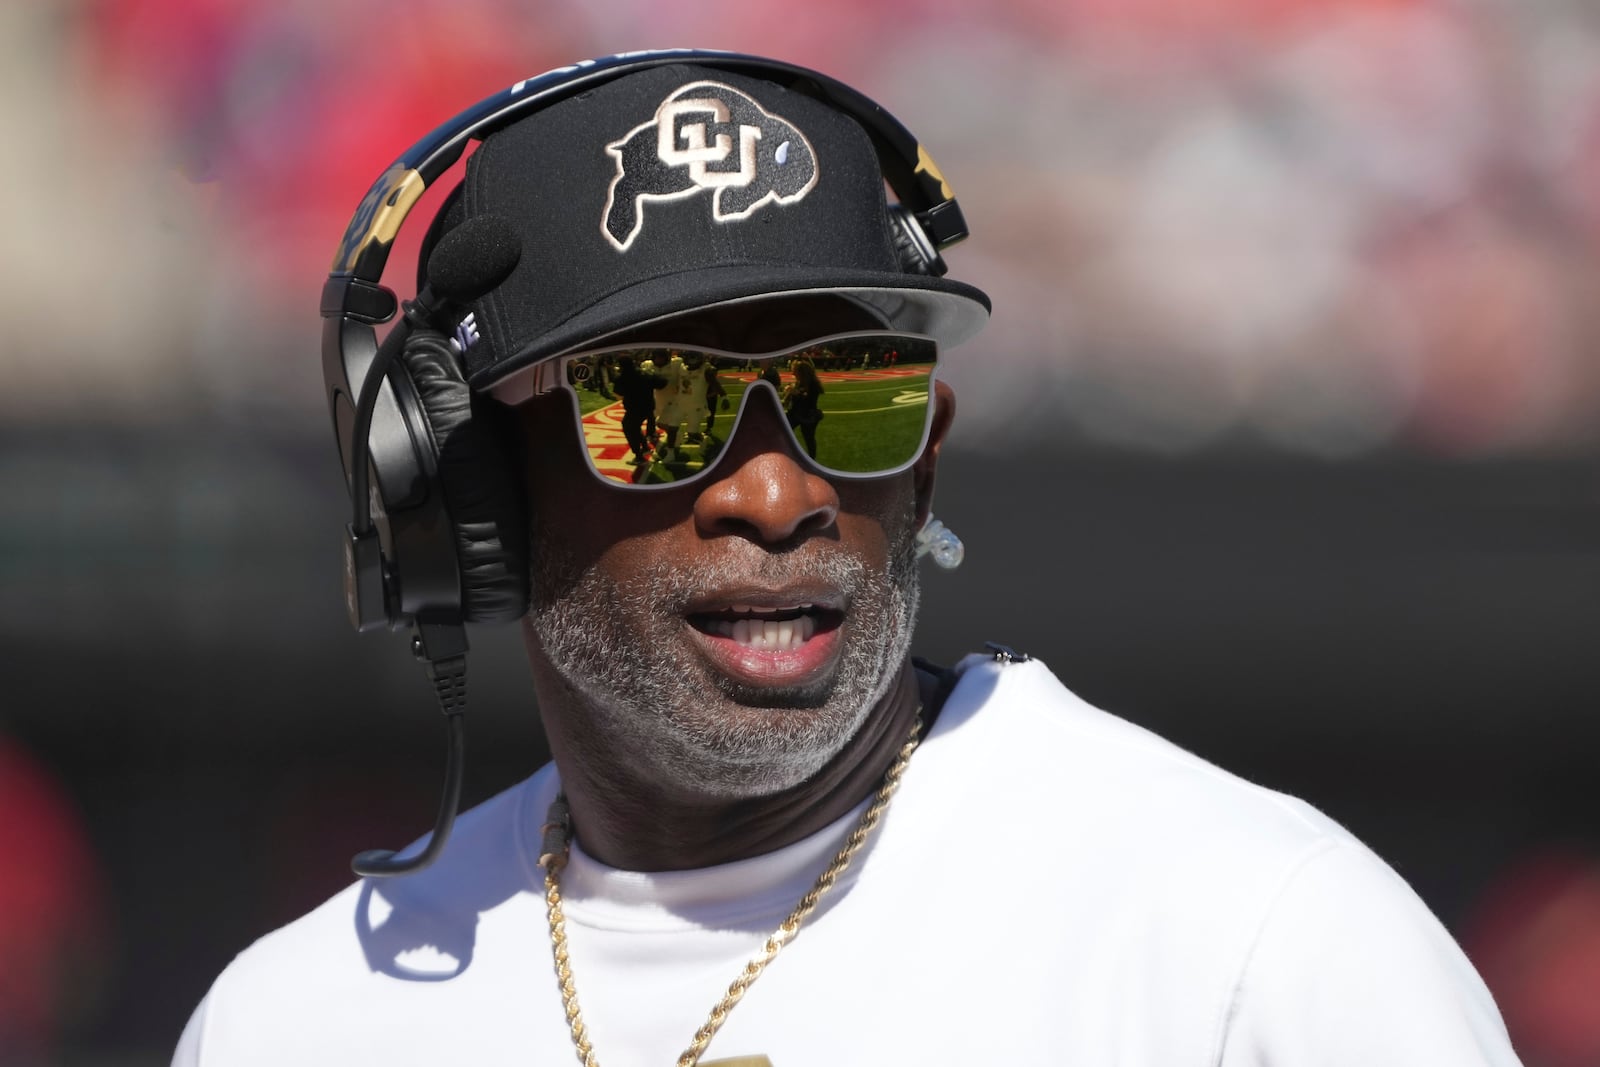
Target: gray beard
<point x="660" y="711"/>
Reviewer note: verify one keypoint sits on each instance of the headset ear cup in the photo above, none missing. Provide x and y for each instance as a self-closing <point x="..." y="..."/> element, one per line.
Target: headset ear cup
<point x="911" y="244"/>
<point x="482" y="496"/>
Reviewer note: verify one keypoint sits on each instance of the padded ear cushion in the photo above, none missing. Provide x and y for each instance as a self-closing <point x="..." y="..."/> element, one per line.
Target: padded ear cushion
<point x="481" y="493"/>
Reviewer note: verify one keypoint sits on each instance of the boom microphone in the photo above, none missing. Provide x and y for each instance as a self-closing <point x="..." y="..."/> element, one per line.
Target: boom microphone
<point x="471" y="259"/>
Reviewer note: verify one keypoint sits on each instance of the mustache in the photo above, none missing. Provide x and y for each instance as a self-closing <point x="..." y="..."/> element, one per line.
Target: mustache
<point x="667" y="584"/>
<point x="673" y="584"/>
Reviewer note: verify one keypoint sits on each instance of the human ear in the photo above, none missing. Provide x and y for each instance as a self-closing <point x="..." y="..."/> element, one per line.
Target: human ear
<point x="923" y="471"/>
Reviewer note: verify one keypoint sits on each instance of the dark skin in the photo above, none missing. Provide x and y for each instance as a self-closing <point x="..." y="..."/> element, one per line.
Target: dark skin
<point x="761" y="498"/>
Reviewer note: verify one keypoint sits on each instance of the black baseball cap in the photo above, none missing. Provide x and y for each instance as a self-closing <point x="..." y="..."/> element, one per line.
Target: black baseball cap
<point x="679" y="188"/>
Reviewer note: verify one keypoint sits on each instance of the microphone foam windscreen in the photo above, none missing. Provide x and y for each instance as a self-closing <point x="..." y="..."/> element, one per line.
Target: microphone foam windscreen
<point x="473" y="258"/>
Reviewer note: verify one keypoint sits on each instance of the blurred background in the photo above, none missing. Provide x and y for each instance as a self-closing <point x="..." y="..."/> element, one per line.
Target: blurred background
<point x="1284" y="440"/>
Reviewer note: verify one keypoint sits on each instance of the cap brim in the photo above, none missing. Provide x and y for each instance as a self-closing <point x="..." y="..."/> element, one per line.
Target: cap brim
<point x="948" y="311"/>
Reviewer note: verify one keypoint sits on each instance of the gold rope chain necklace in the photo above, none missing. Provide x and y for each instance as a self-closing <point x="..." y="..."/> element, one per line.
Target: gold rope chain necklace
<point x="557" y="846"/>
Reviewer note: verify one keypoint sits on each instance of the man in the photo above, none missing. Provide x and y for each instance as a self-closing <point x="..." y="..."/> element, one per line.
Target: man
<point x="637" y="390"/>
<point x="768" y="835"/>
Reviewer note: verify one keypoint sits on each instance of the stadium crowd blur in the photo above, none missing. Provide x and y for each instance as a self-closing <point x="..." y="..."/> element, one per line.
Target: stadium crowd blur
<point x="1294" y="374"/>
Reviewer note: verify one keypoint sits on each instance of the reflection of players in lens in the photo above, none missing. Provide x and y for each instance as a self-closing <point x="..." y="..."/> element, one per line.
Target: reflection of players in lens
<point x="716" y="395"/>
<point x="769" y="373"/>
<point x="651" y="430"/>
<point x="672" y="402"/>
<point x="801" y="400"/>
<point x="637" y="389"/>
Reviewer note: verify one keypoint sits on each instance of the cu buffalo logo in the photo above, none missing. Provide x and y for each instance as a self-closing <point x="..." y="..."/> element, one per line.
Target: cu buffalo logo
<point x="706" y="137"/>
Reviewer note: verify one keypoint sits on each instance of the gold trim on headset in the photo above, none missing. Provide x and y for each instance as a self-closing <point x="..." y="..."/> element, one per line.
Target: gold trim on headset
<point x="384" y="208"/>
<point x="926" y="165"/>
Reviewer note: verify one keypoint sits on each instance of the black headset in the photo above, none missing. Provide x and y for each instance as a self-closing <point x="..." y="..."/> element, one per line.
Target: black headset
<point x="438" y="534"/>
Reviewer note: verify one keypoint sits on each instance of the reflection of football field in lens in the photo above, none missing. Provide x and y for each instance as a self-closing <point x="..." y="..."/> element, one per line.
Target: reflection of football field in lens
<point x="602" y="434"/>
<point x="872" y="419"/>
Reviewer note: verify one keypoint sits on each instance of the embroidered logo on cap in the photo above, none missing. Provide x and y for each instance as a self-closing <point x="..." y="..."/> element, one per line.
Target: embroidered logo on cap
<point x="706" y="136"/>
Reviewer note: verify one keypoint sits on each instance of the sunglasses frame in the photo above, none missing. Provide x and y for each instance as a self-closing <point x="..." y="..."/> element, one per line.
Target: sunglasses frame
<point x="550" y="375"/>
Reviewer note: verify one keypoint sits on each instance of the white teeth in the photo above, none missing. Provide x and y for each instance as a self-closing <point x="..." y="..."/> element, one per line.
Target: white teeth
<point x="746" y="609"/>
<point x="764" y="635"/>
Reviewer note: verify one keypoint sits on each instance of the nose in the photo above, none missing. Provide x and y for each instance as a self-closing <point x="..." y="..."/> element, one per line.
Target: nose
<point x="761" y="489"/>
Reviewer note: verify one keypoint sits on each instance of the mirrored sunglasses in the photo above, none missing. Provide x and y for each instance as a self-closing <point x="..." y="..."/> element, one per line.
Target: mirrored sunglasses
<point x="857" y="405"/>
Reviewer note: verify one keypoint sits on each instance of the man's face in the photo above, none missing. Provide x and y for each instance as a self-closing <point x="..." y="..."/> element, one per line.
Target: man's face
<point x="728" y="638"/>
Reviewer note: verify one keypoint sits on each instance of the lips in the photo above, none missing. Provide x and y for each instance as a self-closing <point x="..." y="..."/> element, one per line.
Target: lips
<point x="766" y="642"/>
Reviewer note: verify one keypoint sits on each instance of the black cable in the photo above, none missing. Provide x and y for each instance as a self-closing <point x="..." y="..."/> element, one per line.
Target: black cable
<point x="450" y="684"/>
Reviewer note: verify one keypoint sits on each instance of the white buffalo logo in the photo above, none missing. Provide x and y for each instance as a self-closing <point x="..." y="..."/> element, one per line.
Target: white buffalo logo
<point x="706" y="136"/>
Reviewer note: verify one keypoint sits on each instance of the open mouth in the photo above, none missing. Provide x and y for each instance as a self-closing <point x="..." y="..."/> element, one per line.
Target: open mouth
<point x="767" y="628"/>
